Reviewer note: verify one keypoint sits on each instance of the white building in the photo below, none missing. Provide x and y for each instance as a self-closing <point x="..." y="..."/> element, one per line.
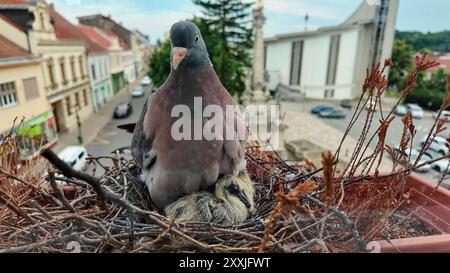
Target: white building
<point x="331" y="63"/>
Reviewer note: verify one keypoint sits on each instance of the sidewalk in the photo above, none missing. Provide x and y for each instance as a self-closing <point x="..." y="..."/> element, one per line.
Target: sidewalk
<point x="95" y="123"/>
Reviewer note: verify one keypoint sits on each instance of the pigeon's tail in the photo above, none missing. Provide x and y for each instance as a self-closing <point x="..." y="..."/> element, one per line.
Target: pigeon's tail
<point x="128" y="127"/>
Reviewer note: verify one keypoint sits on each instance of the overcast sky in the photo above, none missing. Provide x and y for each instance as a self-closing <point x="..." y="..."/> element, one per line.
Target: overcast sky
<point x="154" y="17"/>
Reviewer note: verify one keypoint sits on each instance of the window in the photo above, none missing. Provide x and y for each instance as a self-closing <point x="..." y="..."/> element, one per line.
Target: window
<point x="77" y="100"/>
<point x="93" y="72"/>
<point x="296" y="62"/>
<point x="332" y="64"/>
<point x="85" y="95"/>
<point x="72" y="67"/>
<point x="31" y="88"/>
<point x="51" y="72"/>
<point x="68" y="106"/>
<point x="8" y="95"/>
<point x="62" y="65"/>
<point x="41" y="17"/>
<point x="80" y="62"/>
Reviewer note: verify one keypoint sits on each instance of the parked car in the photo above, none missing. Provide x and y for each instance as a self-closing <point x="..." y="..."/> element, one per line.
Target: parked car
<point x="415" y="110"/>
<point x="321" y="108"/>
<point x="123" y="110"/>
<point x="371" y="106"/>
<point x="445" y="114"/>
<point x="439" y="144"/>
<point x="75" y="156"/>
<point x="401" y="110"/>
<point x="442" y="165"/>
<point x="346" y="104"/>
<point x="337" y="114"/>
<point x="412" y="159"/>
<point x="137" y="92"/>
<point x="146" y="81"/>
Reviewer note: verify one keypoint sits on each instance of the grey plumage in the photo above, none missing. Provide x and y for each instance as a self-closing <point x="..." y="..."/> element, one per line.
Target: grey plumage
<point x="232" y="202"/>
<point x="170" y="168"/>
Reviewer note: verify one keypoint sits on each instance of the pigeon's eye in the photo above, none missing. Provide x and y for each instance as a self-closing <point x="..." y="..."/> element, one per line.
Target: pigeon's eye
<point x="233" y="189"/>
<point x="196" y="39"/>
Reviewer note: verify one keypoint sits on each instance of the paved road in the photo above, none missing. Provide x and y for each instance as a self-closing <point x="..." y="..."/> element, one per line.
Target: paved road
<point x="111" y="138"/>
<point x="393" y="136"/>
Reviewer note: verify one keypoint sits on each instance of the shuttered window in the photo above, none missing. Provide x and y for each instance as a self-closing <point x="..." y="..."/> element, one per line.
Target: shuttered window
<point x="31" y="89"/>
<point x="296" y="62"/>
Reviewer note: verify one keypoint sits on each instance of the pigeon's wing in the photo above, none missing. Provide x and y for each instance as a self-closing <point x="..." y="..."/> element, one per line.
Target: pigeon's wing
<point x="141" y="145"/>
<point x="234" y="147"/>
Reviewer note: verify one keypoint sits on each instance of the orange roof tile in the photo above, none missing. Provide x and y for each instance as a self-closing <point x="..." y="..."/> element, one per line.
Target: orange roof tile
<point x="95" y="35"/>
<point x="65" y="30"/>
<point x="122" y="43"/>
<point x="9" y="49"/>
<point x="13" y="2"/>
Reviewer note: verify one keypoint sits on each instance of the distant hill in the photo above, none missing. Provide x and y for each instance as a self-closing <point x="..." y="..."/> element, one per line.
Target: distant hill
<point x="437" y="41"/>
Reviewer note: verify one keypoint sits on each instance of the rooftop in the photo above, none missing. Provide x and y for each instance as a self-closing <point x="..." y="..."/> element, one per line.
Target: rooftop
<point x="65" y="30"/>
<point x="95" y="42"/>
<point x="9" y="49"/>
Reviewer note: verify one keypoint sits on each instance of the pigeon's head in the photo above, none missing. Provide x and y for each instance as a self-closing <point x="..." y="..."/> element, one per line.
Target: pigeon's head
<point x="237" y="191"/>
<point x="188" y="47"/>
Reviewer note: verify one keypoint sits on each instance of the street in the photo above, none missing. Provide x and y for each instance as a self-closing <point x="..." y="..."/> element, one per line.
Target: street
<point x="393" y="135"/>
<point x="110" y="137"/>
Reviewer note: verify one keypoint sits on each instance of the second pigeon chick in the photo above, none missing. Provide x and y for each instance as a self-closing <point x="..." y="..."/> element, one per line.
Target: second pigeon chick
<point x="231" y="202"/>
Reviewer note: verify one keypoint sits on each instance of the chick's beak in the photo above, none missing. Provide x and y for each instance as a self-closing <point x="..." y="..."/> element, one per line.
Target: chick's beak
<point x="178" y="54"/>
<point x="244" y="199"/>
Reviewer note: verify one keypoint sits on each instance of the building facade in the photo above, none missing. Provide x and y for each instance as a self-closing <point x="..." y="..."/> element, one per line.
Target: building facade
<point x="331" y="63"/>
<point x="98" y="66"/>
<point x="120" y="61"/>
<point x="133" y="43"/>
<point x="63" y="52"/>
<point x="23" y="97"/>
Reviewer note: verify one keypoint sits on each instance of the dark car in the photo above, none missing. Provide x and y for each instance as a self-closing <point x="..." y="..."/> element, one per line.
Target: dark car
<point x="321" y="108"/>
<point x="346" y="104"/>
<point x="123" y="110"/>
<point x="338" y="114"/>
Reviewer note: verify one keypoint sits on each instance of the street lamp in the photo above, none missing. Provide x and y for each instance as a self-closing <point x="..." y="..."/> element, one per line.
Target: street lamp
<point x="80" y="133"/>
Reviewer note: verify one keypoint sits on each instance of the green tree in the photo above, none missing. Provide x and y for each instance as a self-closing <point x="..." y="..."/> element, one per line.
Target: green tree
<point x="437" y="41"/>
<point x="160" y="63"/>
<point x="228" y="35"/>
<point x="402" y="58"/>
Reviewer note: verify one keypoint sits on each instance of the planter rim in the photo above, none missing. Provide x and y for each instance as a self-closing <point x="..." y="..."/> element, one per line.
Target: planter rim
<point x="436" y="215"/>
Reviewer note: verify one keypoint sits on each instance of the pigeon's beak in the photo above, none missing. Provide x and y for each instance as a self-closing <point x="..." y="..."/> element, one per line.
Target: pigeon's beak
<point x="178" y="54"/>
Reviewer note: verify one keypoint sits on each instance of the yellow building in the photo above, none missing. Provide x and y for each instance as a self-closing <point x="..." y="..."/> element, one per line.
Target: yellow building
<point x="38" y="28"/>
<point x="22" y="96"/>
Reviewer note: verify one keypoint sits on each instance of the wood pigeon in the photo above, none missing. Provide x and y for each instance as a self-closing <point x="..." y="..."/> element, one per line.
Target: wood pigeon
<point x="172" y="168"/>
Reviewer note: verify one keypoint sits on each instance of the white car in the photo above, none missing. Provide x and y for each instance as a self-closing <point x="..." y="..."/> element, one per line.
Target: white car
<point x="415" y="110"/>
<point x="75" y="156"/>
<point x="439" y="144"/>
<point x="445" y="114"/>
<point x="442" y="165"/>
<point x="146" y="81"/>
<point x="137" y="92"/>
<point x="414" y="155"/>
<point x="401" y="110"/>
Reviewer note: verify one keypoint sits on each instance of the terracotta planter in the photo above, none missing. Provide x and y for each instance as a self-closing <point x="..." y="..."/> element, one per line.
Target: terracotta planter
<point x="436" y="213"/>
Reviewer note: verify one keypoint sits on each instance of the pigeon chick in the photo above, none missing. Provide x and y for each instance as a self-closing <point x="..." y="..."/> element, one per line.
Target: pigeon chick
<point x="232" y="202"/>
<point x="172" y="167"/>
